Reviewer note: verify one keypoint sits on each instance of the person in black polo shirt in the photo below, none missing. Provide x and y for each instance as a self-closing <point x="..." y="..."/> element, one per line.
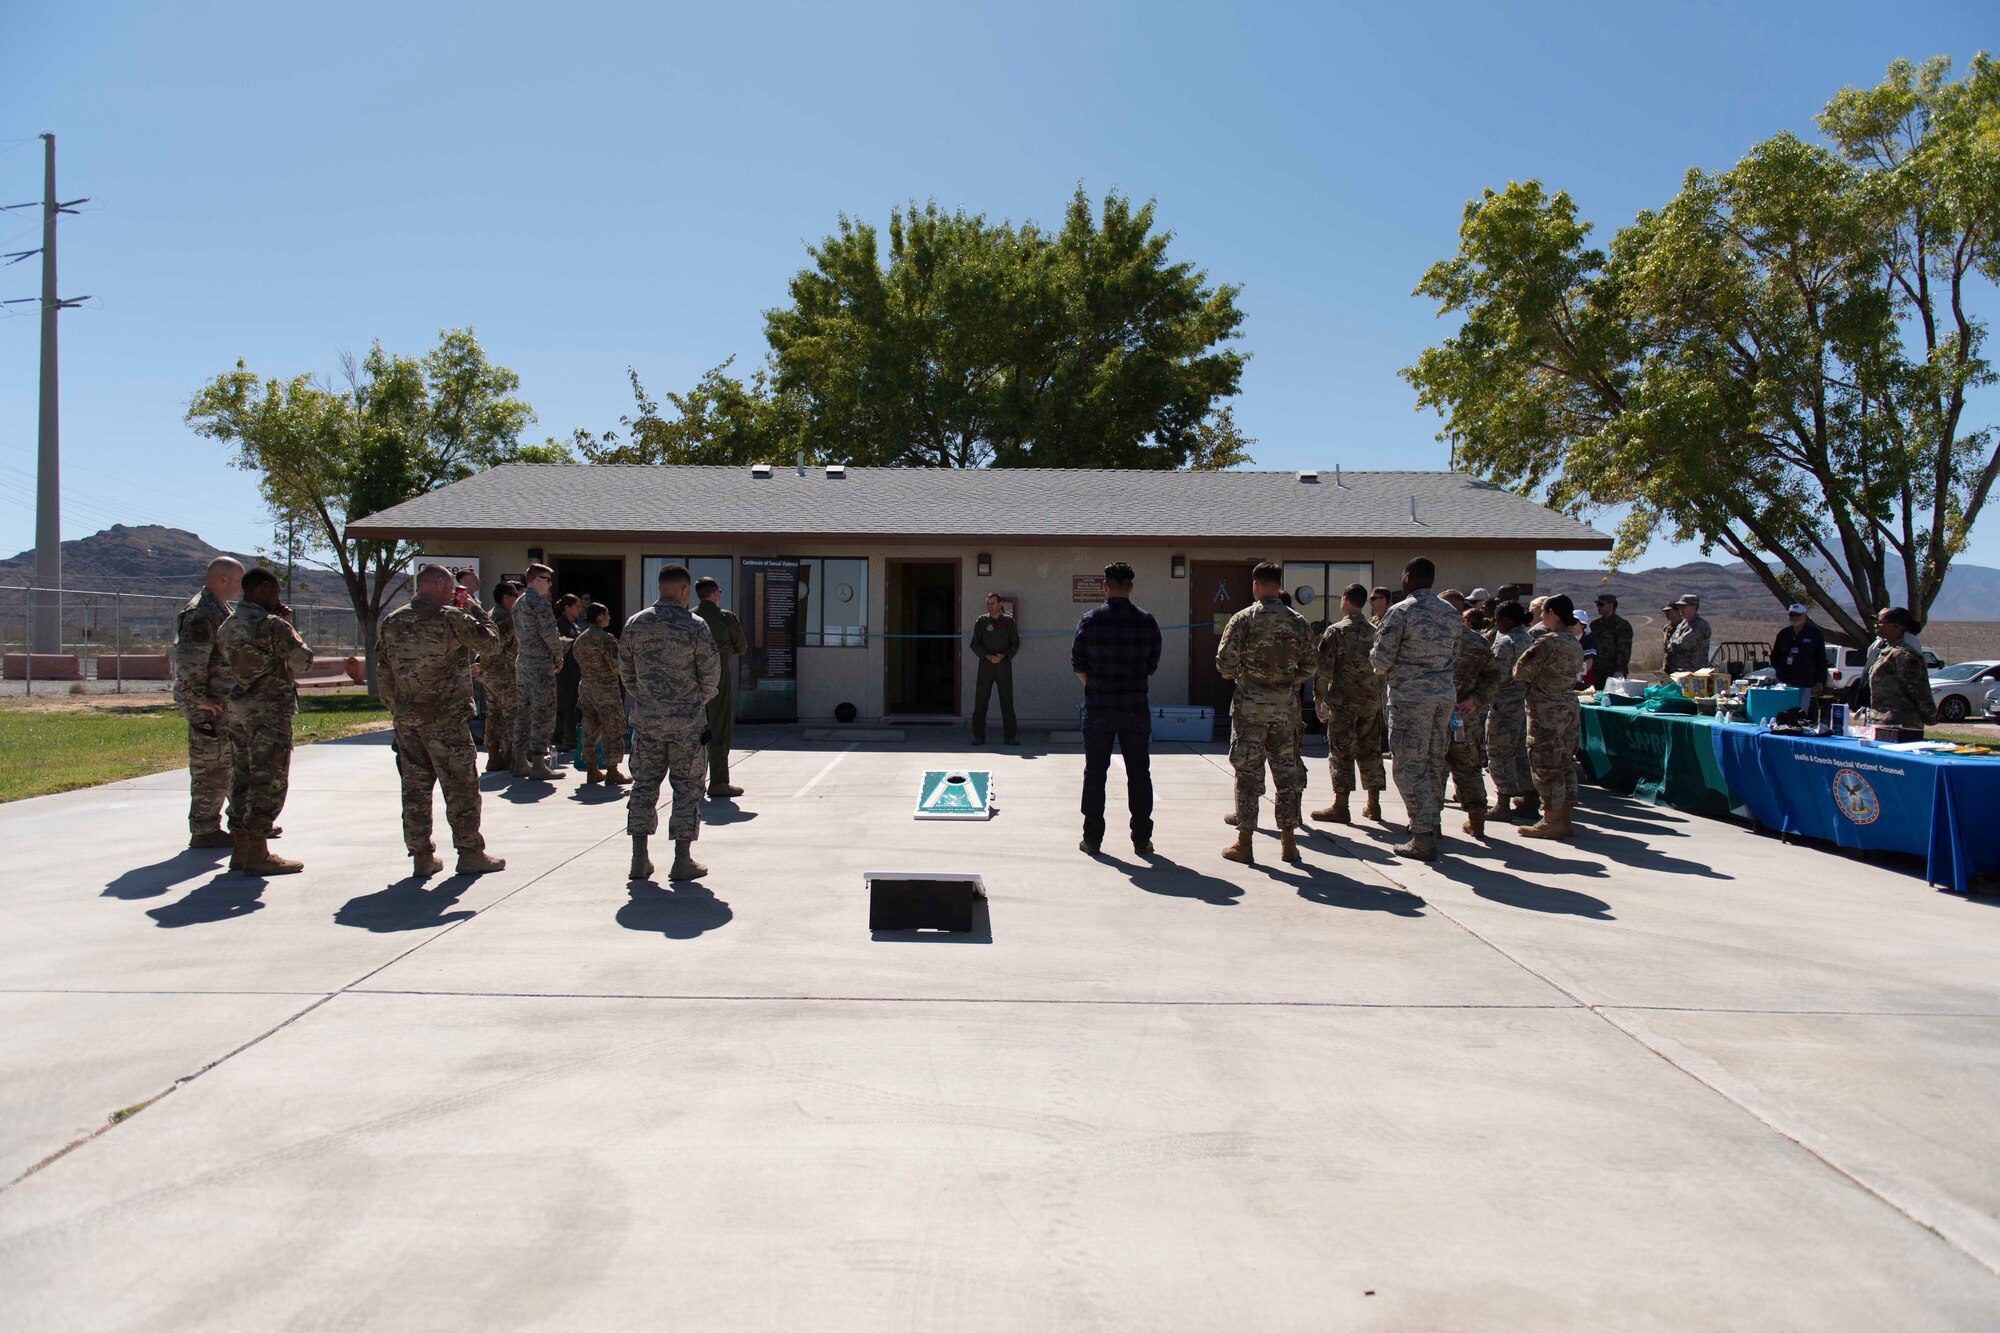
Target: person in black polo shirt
<point x="1115" y="653"/>
<point x="1799" y="655"/>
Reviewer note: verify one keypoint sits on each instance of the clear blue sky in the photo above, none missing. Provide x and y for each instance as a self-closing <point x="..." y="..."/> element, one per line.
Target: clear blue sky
<point x="597" y="185"/>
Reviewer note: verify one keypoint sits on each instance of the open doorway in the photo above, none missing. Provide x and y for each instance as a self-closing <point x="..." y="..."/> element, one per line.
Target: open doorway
<point x="595" y="579"/>
<point x="922" y="672"/>
<point x="1217" y="590"/>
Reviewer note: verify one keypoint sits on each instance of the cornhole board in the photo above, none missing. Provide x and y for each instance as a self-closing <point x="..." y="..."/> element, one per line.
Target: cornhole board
<point x="923" y="901"/>
<point x="951" y="793"/>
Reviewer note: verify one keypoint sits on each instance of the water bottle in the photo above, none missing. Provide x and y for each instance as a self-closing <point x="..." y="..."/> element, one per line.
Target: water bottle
<point x="1457" y="727"/>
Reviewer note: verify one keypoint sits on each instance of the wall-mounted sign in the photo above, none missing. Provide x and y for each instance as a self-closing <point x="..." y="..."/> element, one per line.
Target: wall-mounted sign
<point x="1086" y="587"/>
<point x="768" y="601"/>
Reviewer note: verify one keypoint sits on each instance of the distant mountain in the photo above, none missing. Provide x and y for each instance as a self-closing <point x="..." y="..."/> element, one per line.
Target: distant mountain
<point x="152" y="559"/>
<point x="1731" y="592"/>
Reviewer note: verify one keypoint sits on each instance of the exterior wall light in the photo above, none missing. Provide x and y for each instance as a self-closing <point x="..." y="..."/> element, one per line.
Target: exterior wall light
<point x="985" y="565"/>
<point x="1179" y="567"/>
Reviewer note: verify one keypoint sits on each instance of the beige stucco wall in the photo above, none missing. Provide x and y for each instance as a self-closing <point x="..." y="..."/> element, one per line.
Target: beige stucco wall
<point x="1039" y="577"/>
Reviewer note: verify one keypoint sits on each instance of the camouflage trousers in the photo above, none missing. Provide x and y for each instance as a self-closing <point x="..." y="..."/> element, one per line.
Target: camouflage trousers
<point x="603" y="723"/>
<point x="1356" y="739"/>
<point x="208" y="776"/>
<point x="1552" y="752"/>
<point x="438" y="752"/>
<point x="1259" y="740"/>
<point x="678" y="758"/>
<point x="1419" y="735"/>
<point x="1465" y="757"/>
<point x="500" y="728"/>
<point x="260" y="771"/>
<point x="1507" y="749"/>
<point x="534" y="713"/>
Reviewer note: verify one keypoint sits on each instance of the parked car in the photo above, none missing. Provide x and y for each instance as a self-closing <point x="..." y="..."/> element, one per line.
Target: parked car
<point x="1993" y="706"/>
<point x="1847" y="670"/>
<point x="1961" y="687"/>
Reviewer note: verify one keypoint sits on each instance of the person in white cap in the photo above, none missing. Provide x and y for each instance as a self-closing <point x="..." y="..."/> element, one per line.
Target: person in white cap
<point x="1799" y="654"/>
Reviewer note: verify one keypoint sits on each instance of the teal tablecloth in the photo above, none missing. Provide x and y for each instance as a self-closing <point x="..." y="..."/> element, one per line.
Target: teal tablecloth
<point x="1661" y="758"/>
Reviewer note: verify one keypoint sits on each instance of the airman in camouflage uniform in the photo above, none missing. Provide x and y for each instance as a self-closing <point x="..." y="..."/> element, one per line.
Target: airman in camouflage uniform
<point x="731" y="644"/>
<point x="598" y="699"/>
<point x="496" y="674"/>
<point x="1415" y="652"/>
<point x="668" y="662"/>
<point x="1507" y="720"/>
<point x="1267" y="649"/>
<point x="1349" y="701"/>
<point x="1548" y="667"/>
<point x="265" y="655"/>
<point x="424" y="675"/>
<point x="201" y="690"/>
<point x="1688" y="644"/>
<point x="539" y="651"/>
<point x="1476" y="677"/>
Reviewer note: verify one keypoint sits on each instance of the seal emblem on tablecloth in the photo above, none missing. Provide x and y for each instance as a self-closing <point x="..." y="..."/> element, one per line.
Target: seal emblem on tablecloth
<point x="1856" y="799"/>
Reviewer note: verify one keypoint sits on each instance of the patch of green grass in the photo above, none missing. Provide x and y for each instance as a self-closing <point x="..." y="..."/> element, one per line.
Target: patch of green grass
<point x="60" y="749"/>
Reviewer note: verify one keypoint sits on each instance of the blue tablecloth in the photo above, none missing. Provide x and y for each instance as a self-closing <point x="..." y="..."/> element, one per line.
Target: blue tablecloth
<point x="1945" y="809"/>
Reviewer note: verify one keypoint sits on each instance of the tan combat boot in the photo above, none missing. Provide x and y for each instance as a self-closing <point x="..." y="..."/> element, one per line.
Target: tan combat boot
<point x="1554" y="823"/>
<point x="259" y="859"/>
<point x="613" y="778"/>
<point x="642" y="864"/>
<point x="591" y="776"/>
<point x="1528" y="808"/>
<point x="214" y="838"/>
<point x="1241" y="850"/>
<point x="240" y="846"/>
<point x="1373" y="809"/>
<point x="1337" y="813"/>
<point x="725" y="790"/>
<point x="1420" y="847"/>
<point x="424" y="862"/>
<point x="685" y="866"/>
<point x="1230" y="819"/>
<point x="1288" y="850"/>
<point x="1475" y="822"/>
<point x="472" y="862"/>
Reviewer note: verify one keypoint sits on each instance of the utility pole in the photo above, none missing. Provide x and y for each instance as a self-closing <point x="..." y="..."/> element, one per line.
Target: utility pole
<point x="47" y="632"/>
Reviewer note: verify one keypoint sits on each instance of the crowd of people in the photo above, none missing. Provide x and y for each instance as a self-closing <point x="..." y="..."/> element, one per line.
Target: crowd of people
<point x="237" y="658"/>
<point x="1450" y="686"/>
<point x="1447" y="685"/>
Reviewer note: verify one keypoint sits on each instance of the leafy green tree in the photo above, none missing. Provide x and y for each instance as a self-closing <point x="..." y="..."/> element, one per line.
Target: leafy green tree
<point x="1776" y="363"/>
<point x="981" y="343"/>
<point x="399" y="427"/>
<point x="722" y="420"/>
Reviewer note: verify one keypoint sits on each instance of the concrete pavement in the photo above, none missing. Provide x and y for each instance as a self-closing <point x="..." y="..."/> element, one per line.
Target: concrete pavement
<point x="1675" y="1074"/>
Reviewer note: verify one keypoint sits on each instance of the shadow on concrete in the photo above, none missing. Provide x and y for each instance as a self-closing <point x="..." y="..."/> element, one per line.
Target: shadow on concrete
<point x="724" y="810"/>
<point x="596" y="793"/>
<point x="679" y="912"/>
<point x="1637" y="854"/>
<point x="1170" y="879"/>
<point x="1513" y="891"/>
<point x="230" y="894"/>
<point x="406" y="905"/>
<point x="528" y="791"/>
<point x="153" y="880"/>
<point x="981" y="932"/>
<point x="1504" y="843"/>
<point x="1621" y="820"/>
<point x="1318" y="885"/>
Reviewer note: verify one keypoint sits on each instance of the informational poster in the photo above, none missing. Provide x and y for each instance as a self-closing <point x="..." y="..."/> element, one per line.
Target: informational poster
<point x="767" y="684"/>
<point x="1086" y="588"/>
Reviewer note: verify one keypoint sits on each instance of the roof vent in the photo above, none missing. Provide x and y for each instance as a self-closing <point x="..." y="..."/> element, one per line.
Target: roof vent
<point x="760" y="470"/>
<point x="835" y="471"/>
<point x="1309" y="478"/>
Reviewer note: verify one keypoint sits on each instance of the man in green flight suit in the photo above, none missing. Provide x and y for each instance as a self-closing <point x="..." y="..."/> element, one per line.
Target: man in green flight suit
<point x="730" y="645"/>
<point x="995" y="639"/>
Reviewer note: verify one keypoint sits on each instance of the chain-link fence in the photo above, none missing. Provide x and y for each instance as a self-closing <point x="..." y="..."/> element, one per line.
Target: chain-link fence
<point x="112" y="634"/>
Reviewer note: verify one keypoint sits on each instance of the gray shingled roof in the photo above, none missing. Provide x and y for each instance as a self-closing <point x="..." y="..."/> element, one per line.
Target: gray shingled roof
<point x="614" y="501"/>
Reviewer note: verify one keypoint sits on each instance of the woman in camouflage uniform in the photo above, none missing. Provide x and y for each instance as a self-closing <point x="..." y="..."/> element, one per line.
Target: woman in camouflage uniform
<point x="1548" y="668"/>
<point x="599" y="699"/>
<point x="496" y="674"/>
<point x="1899" y="685"/>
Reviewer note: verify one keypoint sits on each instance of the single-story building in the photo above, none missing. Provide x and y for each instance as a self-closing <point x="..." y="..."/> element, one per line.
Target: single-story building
<point x="876" y="574"/>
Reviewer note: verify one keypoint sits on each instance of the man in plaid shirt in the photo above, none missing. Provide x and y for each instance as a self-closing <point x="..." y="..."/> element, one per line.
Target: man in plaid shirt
<point x="1116" y="650"/>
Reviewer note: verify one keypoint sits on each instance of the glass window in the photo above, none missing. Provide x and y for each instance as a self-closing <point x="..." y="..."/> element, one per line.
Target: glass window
<point x="718" y="567"/>
<point x="833" y="603"/>
<point x="1316" y="586"/>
